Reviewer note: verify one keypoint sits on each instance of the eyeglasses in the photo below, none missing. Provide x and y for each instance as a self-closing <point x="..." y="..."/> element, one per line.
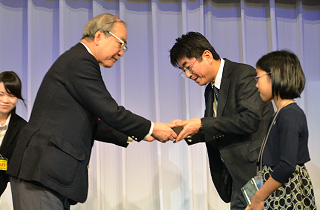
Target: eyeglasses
<point x="257" y="77"/>
<point x="123" y="45"/>
<point x="189" y="68"/>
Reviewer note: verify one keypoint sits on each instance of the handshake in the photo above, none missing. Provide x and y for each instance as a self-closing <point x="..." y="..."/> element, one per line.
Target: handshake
<point x="175" y="130"/>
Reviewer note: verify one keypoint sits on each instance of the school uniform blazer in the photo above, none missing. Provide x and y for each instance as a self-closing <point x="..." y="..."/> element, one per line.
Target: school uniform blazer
<point x="8" y="144"/>
<point x="234" y="137"/>
<point x="55" y="146"/>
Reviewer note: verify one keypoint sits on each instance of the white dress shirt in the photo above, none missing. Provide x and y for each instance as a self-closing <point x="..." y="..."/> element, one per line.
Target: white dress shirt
<point x="4" y="128"/>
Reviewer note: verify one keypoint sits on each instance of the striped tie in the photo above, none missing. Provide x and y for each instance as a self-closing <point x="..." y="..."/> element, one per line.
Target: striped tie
<point x="216" y="92"/>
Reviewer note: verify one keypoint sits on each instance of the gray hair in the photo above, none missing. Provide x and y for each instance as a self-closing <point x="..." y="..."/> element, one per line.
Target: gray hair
<point x="103" y="22"/>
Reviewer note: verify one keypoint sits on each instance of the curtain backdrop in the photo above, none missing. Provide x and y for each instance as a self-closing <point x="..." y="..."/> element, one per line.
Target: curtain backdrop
<point x="157" y="176"/>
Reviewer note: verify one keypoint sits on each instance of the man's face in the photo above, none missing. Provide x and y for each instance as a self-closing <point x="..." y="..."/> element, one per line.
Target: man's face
<point x="199" y="71"/>
<point x="108" y="48"/>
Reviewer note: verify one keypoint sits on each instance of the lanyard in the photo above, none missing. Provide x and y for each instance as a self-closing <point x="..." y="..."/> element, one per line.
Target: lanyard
<point x="264" y="143"/>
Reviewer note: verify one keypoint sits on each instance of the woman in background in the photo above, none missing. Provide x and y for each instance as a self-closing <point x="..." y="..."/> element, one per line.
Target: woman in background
<point x="10" y="123"/>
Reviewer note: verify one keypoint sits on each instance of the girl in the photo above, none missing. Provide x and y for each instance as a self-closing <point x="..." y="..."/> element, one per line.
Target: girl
<point x="10" y="123"/>
<point x="284" y="152"/>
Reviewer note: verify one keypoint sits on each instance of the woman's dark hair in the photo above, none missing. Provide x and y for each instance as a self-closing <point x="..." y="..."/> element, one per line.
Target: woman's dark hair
<point x="12" y="84"/>
<point x="191" y="45"/>
<point x="286" y="73"/>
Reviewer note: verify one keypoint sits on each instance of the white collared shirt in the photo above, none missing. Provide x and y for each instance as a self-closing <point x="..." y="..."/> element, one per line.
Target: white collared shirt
<point x="86" y="48"/>
<point x="4" y="128"/>
<point x="217" y="81"/>
<point x="217" y="84"/>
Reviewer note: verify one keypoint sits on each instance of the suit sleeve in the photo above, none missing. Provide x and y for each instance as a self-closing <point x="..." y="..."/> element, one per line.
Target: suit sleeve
<point x="107" y="134"/>
<point x="85" y="83"/>
<point x="196" y="138"/>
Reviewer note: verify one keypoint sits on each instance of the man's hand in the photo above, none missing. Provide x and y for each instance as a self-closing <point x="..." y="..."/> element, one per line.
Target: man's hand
<point x="175" y="123"/>
<point x="190" y="127"/>
<point x="149" y="139"/>
<point x="163" y="132"/>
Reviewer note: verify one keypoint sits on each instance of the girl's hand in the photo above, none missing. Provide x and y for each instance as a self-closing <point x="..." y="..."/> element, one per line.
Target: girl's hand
<point x="256" y="204"/>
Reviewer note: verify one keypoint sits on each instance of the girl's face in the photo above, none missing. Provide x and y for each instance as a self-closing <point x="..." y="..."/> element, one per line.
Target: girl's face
<point x="264" y="85"/>
<point x="7" y="100"/>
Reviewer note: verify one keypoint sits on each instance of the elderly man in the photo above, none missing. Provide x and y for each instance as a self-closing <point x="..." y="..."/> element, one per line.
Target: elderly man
<point x="235" y="118"/>
<point x="72" y="108"/>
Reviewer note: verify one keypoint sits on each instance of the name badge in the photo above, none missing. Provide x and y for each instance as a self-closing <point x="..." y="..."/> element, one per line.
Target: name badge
<point x="3" y="163"/>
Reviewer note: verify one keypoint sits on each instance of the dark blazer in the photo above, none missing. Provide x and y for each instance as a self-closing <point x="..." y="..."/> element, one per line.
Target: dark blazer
<point x="234" y="137"/>
<point x="8" y="144"/>
<point x="55" y="146"/>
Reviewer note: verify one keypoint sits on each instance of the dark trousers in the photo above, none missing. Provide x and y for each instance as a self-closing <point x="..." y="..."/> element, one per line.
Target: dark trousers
<point x="237" y="200"/>
<point x="31" y="196"/>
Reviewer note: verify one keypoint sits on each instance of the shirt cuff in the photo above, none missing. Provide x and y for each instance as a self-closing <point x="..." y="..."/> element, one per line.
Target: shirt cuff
<point x="150" y="131"/>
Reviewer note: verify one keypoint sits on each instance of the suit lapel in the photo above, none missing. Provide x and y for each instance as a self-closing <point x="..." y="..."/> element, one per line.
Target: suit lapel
<point x="224" y="88"/>
<point x="10" y="132"/>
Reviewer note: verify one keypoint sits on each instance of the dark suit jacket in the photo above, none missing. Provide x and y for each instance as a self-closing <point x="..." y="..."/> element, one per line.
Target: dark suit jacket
<point x="8" y="144"/>
<point x="234" y="137"/>
<point x="55" y="146"/>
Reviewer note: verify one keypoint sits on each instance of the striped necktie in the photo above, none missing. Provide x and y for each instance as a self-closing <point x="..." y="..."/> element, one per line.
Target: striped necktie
<point x="216" y="92"/>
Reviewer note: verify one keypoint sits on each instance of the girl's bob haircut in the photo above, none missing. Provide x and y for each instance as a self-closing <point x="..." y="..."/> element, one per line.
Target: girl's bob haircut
<point x="286" y="73"/>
